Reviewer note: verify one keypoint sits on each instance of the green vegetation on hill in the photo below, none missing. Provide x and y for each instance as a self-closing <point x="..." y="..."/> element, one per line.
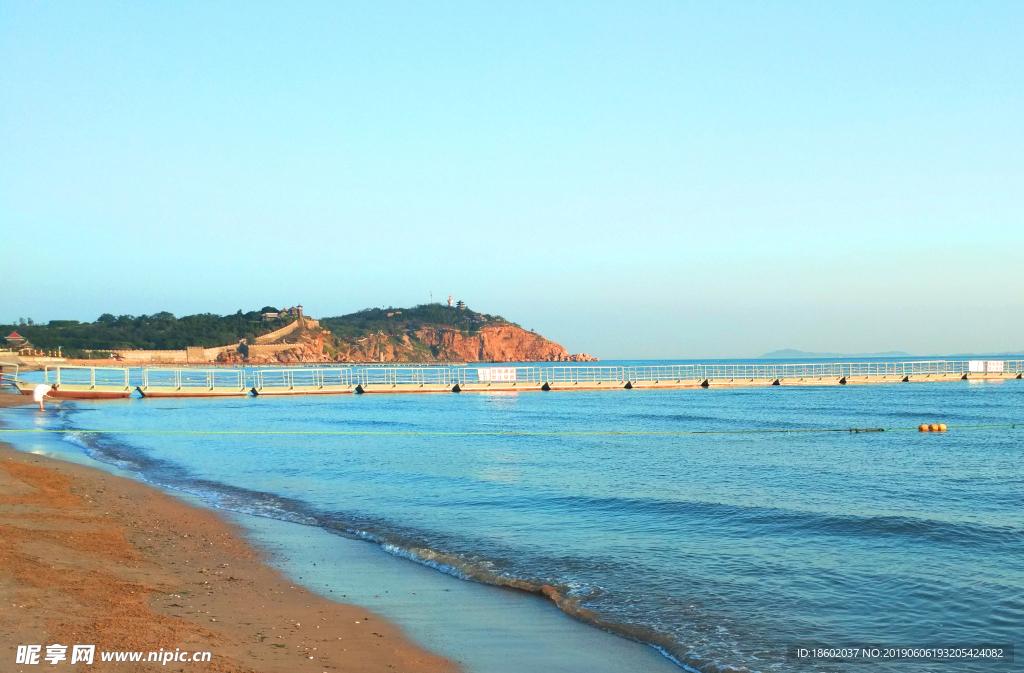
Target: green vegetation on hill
<point x="164" y="331"/>
<point x="160" y="331"/>
<point x="398" y="320"/>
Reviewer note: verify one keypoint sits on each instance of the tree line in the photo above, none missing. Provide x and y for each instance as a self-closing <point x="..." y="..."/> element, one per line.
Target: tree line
<point x="165" y="331"/>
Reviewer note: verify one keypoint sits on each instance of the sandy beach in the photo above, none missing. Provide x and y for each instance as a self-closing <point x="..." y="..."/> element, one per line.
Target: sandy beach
<point x="13" y="399"/>
<point x="91" y="558"/>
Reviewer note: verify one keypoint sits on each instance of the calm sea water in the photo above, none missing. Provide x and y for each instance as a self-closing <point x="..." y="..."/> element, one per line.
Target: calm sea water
<point x="722" y="549"/>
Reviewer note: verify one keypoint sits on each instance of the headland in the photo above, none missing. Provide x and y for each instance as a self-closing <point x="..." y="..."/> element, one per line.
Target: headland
<point x="429" y="333"/>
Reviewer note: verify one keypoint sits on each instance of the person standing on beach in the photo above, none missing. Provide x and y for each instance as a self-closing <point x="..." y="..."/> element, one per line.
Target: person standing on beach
<point x="41" y="391"/>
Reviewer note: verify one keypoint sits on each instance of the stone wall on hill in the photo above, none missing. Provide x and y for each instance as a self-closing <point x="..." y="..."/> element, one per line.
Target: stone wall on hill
<point x="285" y="331"/>
<point x="163" y="357"/>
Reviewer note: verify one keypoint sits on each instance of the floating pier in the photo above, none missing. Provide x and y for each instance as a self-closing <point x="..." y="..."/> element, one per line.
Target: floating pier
<point x="83" y="383"/>
<point x="110" y="382"/>
<point x="498" y="386"/>
<point x="715" y="376"/>
<point x="584" y="378"/>
<point x="664" y="376"/>
<point x="404" y="379"/>
<point x="303" y="381"/>
<point x="193" y="383"/>
<point x="497" y="379"/>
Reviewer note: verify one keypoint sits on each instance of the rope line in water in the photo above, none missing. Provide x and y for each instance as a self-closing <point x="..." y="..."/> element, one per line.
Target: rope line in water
<point x="492" y="433"/>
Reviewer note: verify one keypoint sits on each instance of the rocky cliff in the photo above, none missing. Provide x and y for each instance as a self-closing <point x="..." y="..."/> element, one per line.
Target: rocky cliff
<point x="491" y="343"/>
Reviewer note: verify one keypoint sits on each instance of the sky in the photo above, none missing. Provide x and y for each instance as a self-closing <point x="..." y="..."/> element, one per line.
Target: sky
<point x="633" y="180"/>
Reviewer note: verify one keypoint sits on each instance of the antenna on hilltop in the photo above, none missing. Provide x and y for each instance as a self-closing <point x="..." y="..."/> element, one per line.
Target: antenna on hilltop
<point x="431" y="296"/>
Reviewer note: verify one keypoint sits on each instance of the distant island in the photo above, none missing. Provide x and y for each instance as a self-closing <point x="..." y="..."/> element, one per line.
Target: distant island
<point x="423" y="334"/>
<point x="789" y="354"/>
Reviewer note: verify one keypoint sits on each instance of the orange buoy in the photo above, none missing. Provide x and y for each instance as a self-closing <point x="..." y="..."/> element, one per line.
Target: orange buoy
<point x="934" y="427"/>
<point x="923" y="427"/>
<point x="942" y="427"/>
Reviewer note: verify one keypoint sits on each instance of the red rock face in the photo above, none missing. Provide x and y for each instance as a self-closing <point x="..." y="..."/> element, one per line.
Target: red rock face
<point x="494" y="343"/>
<point x="512" y="344"/>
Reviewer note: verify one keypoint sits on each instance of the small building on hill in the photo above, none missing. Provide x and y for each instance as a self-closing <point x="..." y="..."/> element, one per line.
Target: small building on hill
<point x="19" y="343"/>
<point x="285" y="313"/>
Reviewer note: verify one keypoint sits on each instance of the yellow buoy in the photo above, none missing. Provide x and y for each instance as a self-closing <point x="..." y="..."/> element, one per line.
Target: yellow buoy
<point x="934" y="427"/>
<point x="923" y="427"/>
<point x="942" y="427"/>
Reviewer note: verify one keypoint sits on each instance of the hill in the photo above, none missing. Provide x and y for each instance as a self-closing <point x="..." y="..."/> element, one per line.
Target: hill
<point x="425" y="333"/>
<point x="160" y="331"/>
<point x="437" y="333"/>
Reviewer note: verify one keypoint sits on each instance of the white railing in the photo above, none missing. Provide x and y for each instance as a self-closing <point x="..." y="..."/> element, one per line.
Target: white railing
<point x="224" y="379"/>
<point x="404" y="375"/>
<point x="90" y="377"/>
<point x="304" y="378"/>
<point x="193" y="379"/>
<point x="583" y="374"/>
<point x="655" y="373"/>
<point x="681" y="372"/>
<point x="739" y="371"/>
<point x="8" y="373"/>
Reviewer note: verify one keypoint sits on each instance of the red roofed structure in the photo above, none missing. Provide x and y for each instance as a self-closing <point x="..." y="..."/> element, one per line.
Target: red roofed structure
<point x="14" y="336"/>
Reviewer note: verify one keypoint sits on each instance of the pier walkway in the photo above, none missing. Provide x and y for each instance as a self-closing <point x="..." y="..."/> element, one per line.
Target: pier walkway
<point x="104" y="382"/>
<point x="185" y="382"/>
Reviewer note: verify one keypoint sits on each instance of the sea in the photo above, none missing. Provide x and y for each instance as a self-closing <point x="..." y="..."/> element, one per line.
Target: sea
<point x="712" y="529"/>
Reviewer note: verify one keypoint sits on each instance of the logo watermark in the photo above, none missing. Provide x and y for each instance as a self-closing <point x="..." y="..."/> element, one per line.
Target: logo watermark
<point x="929" y="652"/>
<point x="86" y="654"/>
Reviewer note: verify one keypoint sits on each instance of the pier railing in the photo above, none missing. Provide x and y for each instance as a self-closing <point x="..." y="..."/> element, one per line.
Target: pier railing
<point x="336" y="379"/>
<point x="8" y="373"/>
<point x="415" y="375"/>
<point x="583" y="374"/>
<point x="304" y="378"/>
<point x="655" y="373"/>
<point x="87" y="377"/>
<point x="403" y="375"/>
<point x="1014" y="366"/>
<point x="193" y="379"/>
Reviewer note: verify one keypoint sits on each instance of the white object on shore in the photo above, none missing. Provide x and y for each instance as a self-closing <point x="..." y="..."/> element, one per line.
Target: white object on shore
<point x="40" y="391"/>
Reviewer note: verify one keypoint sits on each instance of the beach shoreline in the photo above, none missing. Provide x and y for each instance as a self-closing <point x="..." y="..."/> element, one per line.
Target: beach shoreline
<point x="479" y="626"/>
<point x="87" y="557"/>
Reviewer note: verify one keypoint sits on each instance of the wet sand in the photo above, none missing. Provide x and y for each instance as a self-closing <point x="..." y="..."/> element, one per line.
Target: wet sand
<point x="14" y="399"/>
<point x="87" y="557"/>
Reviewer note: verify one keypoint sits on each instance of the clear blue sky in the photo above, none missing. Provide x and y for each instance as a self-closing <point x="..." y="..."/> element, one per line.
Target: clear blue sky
<point x="630" y="179"/>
